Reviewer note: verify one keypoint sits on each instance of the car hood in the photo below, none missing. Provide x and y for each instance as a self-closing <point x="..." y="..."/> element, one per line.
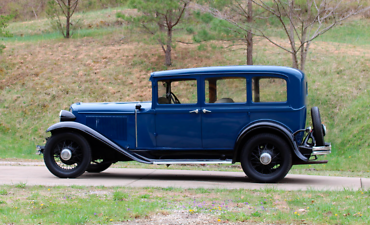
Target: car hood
<point x="109" y="107"/>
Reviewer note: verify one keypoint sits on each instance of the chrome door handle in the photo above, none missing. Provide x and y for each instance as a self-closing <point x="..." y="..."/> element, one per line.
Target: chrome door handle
<point x="206" y="111"/>
<point x="194" y="111"/>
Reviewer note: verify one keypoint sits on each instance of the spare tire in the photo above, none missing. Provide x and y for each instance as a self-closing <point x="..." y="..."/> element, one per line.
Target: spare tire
<point x="318" y="130"/>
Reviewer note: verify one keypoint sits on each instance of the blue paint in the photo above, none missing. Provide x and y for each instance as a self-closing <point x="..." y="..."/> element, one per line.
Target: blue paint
<point x="172" y="127"/>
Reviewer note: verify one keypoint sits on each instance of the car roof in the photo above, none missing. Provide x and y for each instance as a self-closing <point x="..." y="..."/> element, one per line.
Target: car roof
<point x="229" y="70"/>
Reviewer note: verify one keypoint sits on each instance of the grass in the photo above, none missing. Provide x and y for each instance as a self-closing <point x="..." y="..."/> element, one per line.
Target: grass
<point x="41" y="73"/>
<point x="71" y="205"/>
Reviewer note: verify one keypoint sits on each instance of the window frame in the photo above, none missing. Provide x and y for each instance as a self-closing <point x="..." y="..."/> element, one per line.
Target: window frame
<point x="155" y="97"/>
<point x="231" y="75"/>
<point x="268" y="75"/>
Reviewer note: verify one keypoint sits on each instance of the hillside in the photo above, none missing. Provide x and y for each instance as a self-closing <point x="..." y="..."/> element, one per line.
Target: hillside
<point x="41" y="73"/>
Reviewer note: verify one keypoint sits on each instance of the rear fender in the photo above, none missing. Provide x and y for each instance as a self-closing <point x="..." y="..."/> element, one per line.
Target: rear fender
<point x="266" y="127"/>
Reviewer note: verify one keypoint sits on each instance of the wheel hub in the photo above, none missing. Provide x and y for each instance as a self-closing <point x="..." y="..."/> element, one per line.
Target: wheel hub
<point x="265" y="158"/>
<point x="66" y="154"/>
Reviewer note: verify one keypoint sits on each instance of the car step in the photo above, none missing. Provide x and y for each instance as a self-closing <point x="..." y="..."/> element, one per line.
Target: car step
<point x="192" y="161"/>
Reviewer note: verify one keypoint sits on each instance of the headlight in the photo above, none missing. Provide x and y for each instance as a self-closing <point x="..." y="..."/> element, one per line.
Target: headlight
<point x="66" y="116"/>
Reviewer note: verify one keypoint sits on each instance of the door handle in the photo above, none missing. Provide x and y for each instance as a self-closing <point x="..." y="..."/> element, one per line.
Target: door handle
<point x="194" y="111"/>
<point x="206" y="111"/>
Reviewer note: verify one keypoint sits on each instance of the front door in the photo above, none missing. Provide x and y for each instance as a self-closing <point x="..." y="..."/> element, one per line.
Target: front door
<point x="178" y="119"/>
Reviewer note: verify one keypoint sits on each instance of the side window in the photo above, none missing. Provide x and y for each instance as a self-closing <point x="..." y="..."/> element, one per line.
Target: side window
<point x="177" y="91"/>
<point x="226" y="90"/>
<point x="269" y="89"/>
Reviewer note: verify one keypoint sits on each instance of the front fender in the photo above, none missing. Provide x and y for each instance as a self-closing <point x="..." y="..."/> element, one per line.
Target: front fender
<point x="266" y="125"/>
<point x="101" y="138"/>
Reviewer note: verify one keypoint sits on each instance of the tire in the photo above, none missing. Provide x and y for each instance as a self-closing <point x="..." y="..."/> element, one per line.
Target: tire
<point x="97" y="167"/>
<point x="318" y="130"/>
<point x="276" y="148"/>
<point x="79" y="155"/>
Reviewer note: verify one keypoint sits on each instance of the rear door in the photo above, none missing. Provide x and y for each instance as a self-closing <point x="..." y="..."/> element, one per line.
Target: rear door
<point x="224" y="110"/>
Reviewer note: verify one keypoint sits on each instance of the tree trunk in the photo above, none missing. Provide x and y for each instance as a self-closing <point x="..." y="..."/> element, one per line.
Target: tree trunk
<point x="169" y="46"/>
<point x="291" y="34"/>
<point x="68" y="19"/>
<point x="295" y="60"/>
<point x="304" y="56"/>
<point x="250" y="35"/>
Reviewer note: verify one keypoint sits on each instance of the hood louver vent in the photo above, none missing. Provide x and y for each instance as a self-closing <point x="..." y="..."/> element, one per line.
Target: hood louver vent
<point x="113" y="127"/>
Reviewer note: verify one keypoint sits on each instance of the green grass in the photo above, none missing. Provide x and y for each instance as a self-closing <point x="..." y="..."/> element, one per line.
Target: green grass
<point x="356" y="32"/>
<point x="57" y="36"/>
<point x="68" y="205"/>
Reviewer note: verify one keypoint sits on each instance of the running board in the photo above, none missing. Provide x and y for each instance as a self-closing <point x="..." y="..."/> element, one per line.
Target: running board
<point x="191" y="161"/>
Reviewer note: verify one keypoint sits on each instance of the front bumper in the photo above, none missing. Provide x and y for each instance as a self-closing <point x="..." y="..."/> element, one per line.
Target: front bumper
<point x="321" y="150"/>
<point x="39" y="149"/>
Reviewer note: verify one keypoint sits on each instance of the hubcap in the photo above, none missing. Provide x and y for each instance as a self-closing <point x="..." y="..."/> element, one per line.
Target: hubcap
<point x="265" y="158"/>
<point x="66" y="154"/>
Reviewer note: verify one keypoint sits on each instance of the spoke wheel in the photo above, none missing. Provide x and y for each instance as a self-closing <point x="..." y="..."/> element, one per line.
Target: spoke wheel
<point x="67" y="155"/>
<point x="266" y="158"/>
<point x="98" y="166"/>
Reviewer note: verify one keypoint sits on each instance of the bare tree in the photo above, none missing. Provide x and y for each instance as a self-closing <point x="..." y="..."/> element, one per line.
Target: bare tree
<point x="249" y="36"/>
<point x="239" y="12"/>
<point x="158" y="18"/>
<point x="62" y="8"/>
<point x="301" y="23"/>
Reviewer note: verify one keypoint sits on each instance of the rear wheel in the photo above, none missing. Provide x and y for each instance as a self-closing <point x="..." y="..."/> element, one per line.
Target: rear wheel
<point x="98" y="166"/>
<point x="266" y="158"/>
<point x="318" y="129"/>
<point x="67" y="155"/>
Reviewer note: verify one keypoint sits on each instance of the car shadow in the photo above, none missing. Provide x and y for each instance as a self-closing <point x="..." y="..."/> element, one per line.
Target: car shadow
<point x="186" y="177"/>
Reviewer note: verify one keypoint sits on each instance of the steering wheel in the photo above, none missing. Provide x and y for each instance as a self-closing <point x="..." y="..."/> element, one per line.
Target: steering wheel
<point x="174" y="99"/>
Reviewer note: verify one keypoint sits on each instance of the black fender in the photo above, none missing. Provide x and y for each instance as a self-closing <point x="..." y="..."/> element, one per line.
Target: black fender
<point x="276" y="128"/>
<point x="99" y="137"/>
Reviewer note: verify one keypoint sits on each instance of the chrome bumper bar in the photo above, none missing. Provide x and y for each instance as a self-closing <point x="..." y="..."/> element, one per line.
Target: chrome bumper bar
<point x="321" y="150"/>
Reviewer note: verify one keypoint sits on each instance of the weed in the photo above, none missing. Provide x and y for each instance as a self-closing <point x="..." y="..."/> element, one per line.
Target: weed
<point x="145" y="196"/>
<point x="120" y="196"/>
<point x="21" y="185"/>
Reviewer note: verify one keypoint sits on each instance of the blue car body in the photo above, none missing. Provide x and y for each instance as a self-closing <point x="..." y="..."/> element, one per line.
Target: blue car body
<point x="150" y="131"/>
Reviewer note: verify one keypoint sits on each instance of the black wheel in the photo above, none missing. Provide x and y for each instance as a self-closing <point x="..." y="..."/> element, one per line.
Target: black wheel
<point x="266" y="158"/>
<point x="98" y="166"/>
<point x="67" y="155"/>
<point x="318" y="129"/>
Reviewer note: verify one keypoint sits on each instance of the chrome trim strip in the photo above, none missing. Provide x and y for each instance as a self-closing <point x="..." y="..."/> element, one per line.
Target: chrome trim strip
<point x="193" y="161"/>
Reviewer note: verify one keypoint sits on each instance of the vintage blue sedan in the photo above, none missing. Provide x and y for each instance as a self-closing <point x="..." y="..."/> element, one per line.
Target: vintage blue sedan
<point x="254" y="115"/>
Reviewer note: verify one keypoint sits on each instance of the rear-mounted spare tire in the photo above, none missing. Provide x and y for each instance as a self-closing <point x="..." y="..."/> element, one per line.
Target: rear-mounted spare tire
<point x="318" y="130"/>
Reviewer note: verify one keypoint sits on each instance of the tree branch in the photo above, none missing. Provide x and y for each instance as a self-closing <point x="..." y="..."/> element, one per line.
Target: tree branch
<point x="61" y="7"/>
<point x="183" y="9"/>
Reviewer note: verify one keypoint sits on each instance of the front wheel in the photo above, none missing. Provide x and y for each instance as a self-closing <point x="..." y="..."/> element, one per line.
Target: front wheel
<point x="266" y="158"/>
<point x="67" y="155"/>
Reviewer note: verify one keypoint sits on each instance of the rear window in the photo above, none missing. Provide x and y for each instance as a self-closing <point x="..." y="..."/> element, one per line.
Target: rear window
<point x="226" y="90"/>
<point x="269" y="89"/>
